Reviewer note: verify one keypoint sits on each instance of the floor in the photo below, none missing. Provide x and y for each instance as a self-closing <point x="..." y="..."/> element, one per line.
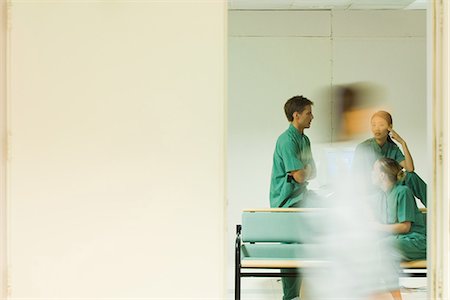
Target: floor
<point x="270" y="289"/>
<point x="414" y="288"/>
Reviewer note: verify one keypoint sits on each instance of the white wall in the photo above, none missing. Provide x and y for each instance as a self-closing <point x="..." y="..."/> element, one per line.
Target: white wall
<point x="116" y="185"/>
<point x="274" y="55"/>
<point x="3" y="150"/>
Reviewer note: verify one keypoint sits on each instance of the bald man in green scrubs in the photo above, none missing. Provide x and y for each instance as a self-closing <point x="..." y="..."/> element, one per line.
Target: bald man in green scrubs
<point x="293" y="166"/>
<point x="369" y="151"/>
<point x="383" y="145"/>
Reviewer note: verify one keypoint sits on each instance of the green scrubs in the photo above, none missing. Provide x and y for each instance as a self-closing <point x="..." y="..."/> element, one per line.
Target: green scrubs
<point x="369" y="151"/>
<point x="292" y="152"/>
<point x="417" y="186"/>
<point x="401" y="207"/>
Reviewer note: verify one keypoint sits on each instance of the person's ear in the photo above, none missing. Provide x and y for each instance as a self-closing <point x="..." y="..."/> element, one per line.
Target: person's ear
<point x="295" y="115"/>
<point x="390" y="127"/>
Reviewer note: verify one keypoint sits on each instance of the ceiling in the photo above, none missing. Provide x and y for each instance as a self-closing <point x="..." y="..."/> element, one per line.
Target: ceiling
<point x="326" y="4"/>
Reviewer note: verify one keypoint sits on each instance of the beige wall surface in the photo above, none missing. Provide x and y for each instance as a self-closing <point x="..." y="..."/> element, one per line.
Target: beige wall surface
<point x="439" y="140"/>
<point x="117" y="149"/>
<point x="3" y="149"/>
<point x="276" y="55"/>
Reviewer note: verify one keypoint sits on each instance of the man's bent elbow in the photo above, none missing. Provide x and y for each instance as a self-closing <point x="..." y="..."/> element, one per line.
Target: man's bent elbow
<point x="405" y="228"/>
<point x="298" y="176"/>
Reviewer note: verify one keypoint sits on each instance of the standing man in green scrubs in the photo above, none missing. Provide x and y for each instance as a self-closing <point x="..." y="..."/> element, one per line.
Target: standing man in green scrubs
<point x="293" y="166"/>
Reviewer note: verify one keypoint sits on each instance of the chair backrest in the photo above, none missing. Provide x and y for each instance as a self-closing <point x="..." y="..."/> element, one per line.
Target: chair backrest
<point x="283" y="227"/>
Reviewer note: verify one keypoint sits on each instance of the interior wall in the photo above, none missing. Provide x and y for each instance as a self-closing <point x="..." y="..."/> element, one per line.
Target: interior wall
<point x="3" y="150"/>
<point x="274" y="55"/>
<point x="117" y="149"/>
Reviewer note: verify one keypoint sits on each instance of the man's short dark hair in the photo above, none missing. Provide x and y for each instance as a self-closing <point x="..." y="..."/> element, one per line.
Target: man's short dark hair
<point x="296" y="104"/>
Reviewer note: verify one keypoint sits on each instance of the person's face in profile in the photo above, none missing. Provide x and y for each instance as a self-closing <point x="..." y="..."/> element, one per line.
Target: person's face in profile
<point x="305" y="117"/>
<point x="377" y="175"/>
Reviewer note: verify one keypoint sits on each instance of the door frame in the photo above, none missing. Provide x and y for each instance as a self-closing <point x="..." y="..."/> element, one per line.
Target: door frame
<point x="3" y="148"/>
<point x="438" y="116"/>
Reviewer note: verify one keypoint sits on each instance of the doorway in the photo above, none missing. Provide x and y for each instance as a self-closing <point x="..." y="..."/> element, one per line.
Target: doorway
<point x="277" y="51"/>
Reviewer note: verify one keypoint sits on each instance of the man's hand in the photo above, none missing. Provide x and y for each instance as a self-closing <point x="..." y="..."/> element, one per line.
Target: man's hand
<point x="395" y="136"/>
<point x="303" y="175"/>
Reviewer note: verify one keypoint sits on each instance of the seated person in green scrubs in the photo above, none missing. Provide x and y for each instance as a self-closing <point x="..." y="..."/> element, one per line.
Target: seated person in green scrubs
<point x="293" y="166"/>
<point x="382" y="145"/>
<point x="400" y="218"/>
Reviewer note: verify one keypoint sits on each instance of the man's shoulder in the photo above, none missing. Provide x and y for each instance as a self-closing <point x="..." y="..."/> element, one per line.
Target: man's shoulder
<point x="367" y="142"/>
<point x="364" y="145"/>
<point x="286" y="137"/>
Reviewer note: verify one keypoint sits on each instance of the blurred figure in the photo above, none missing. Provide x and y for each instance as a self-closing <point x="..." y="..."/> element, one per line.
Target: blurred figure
<point x="344" y="238"/>
<point x="363" y="240"/>
<point x="382" y="145"/>
<point x="353" y="105"/>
